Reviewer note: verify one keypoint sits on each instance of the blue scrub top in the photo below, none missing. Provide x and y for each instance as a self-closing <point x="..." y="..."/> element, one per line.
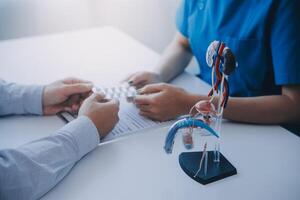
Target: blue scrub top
<point x="264" y="35"/>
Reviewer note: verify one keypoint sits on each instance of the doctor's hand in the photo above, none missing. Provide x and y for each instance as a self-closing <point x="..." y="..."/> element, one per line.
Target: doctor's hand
<point x="102" y="112"/>
<point x="65" y="95"/>
<point x="162" y="101"/>
<point x="140" y="79"/>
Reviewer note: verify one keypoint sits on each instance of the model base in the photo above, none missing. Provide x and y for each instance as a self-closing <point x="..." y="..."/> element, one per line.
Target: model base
<point x="189" y="162"/>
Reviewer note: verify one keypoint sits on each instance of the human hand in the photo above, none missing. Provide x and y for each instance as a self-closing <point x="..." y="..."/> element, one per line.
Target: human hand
<point x="102" y="112"/>
<point x="162" y="101"/>
<point x="65" y="95"/>
<point x="140" y="79"/>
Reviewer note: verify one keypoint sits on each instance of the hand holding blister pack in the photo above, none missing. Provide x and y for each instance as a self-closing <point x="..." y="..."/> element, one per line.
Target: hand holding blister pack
<point x="129" y="119"/>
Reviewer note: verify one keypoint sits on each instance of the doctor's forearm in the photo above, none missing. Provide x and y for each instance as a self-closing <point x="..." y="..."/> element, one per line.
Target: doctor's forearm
<point x="174" y="60"/>
<point x="274" y="109"/>
<point x="263" y="110"/>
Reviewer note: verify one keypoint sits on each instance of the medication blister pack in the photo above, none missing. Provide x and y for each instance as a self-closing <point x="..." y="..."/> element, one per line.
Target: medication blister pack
<point x="117" y="92"/>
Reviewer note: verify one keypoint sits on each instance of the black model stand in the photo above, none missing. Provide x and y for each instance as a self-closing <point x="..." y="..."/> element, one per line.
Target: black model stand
<point x="189" y="162"/>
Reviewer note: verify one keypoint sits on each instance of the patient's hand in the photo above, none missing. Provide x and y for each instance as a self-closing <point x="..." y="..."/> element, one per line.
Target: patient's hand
<point x="140" y="79"/>
<point x="103" y="113"/>
<point x="65" y="95"/>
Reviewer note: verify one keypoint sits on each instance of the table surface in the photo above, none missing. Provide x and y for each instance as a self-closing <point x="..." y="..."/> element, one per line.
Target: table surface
<point x="136" y="167"/>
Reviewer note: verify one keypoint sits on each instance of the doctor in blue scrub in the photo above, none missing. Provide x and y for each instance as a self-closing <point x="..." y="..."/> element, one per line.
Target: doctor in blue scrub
<point x="264" y="36"/>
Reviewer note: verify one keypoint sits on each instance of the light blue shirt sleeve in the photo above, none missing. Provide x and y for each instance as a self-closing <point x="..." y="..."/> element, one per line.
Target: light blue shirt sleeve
<point x="30" y="171"/>
<point x="20" y="99"/>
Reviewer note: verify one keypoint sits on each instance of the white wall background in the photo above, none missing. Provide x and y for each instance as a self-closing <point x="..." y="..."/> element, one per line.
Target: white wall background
<point x="152" y="22"/>
<point x="21" y="18"/>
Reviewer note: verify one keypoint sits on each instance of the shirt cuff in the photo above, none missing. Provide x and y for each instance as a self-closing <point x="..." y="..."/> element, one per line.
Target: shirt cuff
<point x="33" y="100"/>
<point x="85" y="134"/>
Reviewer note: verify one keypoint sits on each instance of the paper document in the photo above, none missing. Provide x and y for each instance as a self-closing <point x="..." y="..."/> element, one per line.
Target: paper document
<point x="131" y="122"/>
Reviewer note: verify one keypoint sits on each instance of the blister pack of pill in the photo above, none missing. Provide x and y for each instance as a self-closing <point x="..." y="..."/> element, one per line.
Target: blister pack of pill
<point x="117" y="92"/>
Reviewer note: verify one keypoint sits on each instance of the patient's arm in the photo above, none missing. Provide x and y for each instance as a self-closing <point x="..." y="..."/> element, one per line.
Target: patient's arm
<point x="20" y="99"/>
<point x="31" y="170"/>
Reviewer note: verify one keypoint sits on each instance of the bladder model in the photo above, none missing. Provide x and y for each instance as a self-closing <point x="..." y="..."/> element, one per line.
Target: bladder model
<point x="207" y="166"/>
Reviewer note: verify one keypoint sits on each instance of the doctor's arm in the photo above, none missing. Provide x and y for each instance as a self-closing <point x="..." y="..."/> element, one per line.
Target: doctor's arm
<point x="274" y="109"/>
<point x="174" y="60"/>
<point x="163" y="102"/>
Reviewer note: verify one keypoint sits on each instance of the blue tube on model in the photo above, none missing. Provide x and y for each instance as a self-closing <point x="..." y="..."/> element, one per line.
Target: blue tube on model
<point x="184" y="123"/>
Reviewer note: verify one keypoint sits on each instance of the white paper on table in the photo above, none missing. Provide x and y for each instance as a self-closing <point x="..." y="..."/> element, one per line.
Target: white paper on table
<point x="131" y="122"/>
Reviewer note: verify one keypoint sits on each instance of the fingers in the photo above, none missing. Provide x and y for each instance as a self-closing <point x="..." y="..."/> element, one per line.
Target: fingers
<point x="74" y="99"/>
<point x="77" y="88"/>
<point x="54" y="109"/>
<point x="128" y="78"/>
<point x="150" y="115"/>
<point x="73" y="103"/>
<point x="101" y="99"/>
<point x="85" y="95"/>
<point x="61" y="107"/>
<point x="114" y="103"/>
<point x="97" y="97"/>
<point x="148" y="111"/>
<point x="140" y="85"/>
<point x="144" y="108"/>
<point x="136" y="80"/>
<point x="152" y="88"/>
<point x="73" y="80"/>
<point x="113" y="106"/>
<point x="143" y="99"/>
<point x="145" y="114"/>
<point x="140" y="79"/>
<point x="148" y="94"/>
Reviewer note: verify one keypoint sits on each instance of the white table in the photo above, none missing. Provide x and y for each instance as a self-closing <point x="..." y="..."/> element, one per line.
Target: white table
<point x="136" y="167"/>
